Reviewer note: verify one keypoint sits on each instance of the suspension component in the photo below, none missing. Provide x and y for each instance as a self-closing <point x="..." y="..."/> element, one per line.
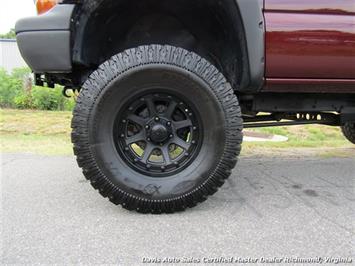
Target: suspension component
<point x="70" y="92"/>
<point x="291" y="119"/>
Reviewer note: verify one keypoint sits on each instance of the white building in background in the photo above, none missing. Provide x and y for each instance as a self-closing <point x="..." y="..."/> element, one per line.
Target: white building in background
<point x="10" y="56"/>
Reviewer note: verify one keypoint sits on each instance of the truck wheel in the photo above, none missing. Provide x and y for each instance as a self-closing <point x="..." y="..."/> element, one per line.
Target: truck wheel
<point x="157" y="129"/>
<point x="349" y="131"/>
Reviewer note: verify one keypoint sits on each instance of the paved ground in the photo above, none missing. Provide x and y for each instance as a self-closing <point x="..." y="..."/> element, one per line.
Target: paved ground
<point x="269" y="208"/>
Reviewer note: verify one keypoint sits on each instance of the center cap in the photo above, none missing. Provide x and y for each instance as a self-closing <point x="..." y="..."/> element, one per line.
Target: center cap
<point x="159" y="133"/>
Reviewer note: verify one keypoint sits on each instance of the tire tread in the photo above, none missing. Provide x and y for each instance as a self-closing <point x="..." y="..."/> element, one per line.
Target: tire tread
<point x="349" y="131"/>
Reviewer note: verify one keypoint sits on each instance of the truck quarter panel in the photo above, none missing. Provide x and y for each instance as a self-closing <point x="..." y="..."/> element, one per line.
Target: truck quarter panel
<point x="310" y="39"/>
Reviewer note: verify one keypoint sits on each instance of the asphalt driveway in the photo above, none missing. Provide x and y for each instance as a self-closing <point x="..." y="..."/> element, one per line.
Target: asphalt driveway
<point x="272" y="208"/>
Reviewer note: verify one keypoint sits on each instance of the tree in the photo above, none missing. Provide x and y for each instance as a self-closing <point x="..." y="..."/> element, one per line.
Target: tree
<point x="10" y="35"/>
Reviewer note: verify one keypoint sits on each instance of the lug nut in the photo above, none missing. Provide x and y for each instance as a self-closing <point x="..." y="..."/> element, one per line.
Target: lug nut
<point x="122" y="135"/>
<point x="157" y="119"/>
<point x="147" y="127"/>
<point x="124" y="121"/>
<point x="126" y="149"/>
<point x="194" y="128"/>
<point x="162" y="168"/>
<point x="148" y="139"/>
<point x="168" y="124"/>
<point x="193" y="142"/>
<point x="187" y="154"/>
<point x="171" y="136"/>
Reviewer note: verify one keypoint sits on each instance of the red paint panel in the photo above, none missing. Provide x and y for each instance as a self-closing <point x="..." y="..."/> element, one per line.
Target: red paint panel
<point x="310" y="85"/>
<point x="309" y="45"/>
<point x="312" y="6"/>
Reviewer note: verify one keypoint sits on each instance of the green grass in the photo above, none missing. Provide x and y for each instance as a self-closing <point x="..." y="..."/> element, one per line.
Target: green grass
<point x="46" y="132"/>
<point x="40" y="132"/>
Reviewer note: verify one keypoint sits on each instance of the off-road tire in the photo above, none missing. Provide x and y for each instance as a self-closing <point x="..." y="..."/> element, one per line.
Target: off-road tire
<point x="107" y="88"/>
<point x="349" y="131"/>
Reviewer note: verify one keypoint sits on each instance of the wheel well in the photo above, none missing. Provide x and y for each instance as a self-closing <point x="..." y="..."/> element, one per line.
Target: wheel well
<point x="213" y="29"/>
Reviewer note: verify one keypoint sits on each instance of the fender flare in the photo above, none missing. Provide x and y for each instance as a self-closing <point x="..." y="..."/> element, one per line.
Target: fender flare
<point x="254" y="27"/>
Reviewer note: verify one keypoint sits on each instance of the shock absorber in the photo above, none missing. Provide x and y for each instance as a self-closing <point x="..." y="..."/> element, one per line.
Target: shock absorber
<point x="70" y="92"/>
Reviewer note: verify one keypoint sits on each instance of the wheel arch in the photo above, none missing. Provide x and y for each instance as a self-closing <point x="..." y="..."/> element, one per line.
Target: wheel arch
<point x="233" y="40"/>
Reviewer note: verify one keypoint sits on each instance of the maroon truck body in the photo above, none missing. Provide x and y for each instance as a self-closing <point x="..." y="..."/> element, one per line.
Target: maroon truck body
<point x="310" y="43"/>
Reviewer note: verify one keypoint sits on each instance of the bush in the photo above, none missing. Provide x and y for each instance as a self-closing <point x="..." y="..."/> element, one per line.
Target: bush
<point x="23" y="101"/>
<point x="9" y="89"/>
<point x="13" y="93"/>
<point x="47" y="99"/>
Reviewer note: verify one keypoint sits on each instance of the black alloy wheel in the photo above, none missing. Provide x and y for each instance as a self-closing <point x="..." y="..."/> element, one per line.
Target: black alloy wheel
<point x="158" y="134"/>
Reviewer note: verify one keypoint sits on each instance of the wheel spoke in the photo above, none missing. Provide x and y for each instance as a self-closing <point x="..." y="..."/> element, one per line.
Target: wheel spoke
<point x="166" y="155"/>
<point x="171" y="108"/>
<point x="183" y="144"/>
<point x="182" y="124"/>
<point x="147" y="152"/>
<point x="136" y="138"/>
<point x="137" y="119"/>
<point x="151" y="106"/>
